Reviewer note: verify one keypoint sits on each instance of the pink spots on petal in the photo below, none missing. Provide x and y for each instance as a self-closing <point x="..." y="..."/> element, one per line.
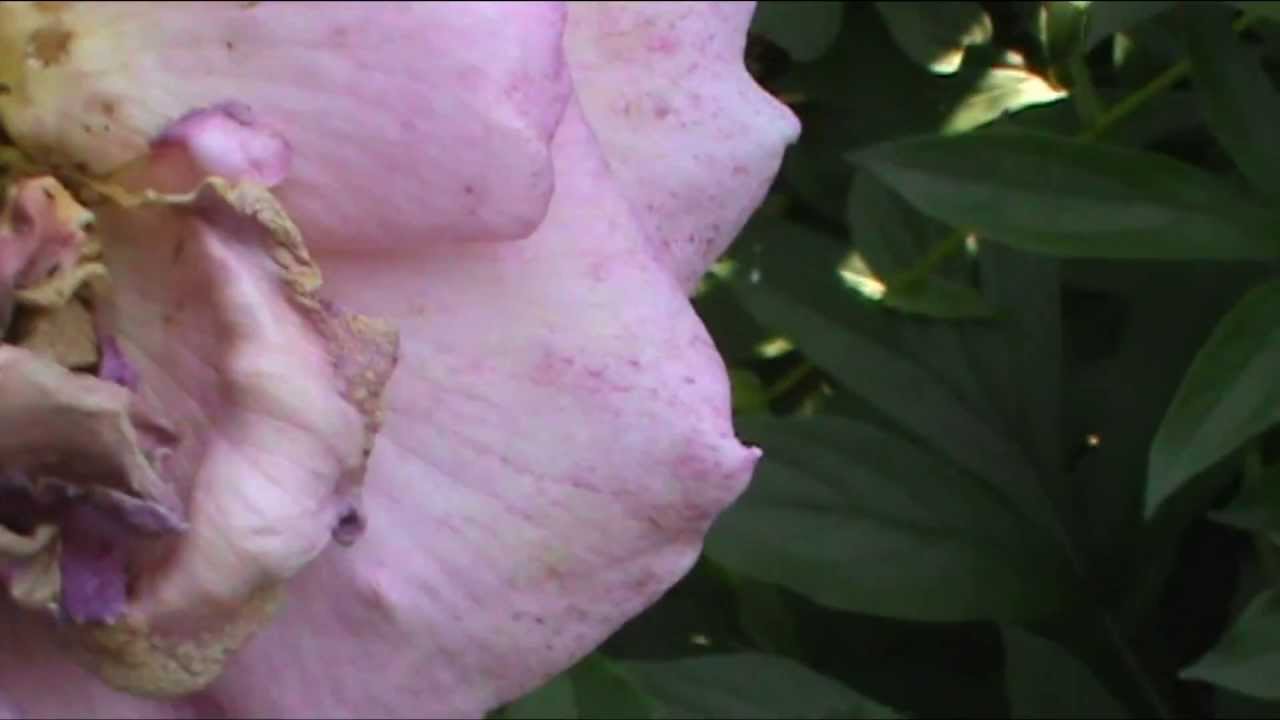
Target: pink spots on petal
<point x="665" y="44"/>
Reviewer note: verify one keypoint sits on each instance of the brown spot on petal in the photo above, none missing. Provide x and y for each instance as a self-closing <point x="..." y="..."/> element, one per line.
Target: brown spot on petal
<point x="49" y="45"/>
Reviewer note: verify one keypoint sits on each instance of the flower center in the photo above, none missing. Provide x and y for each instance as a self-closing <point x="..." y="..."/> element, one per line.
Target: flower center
<point x="78" y="456"/>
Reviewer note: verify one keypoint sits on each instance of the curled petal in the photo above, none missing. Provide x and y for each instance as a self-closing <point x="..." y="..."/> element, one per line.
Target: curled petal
<point x="446" y="107"/>
<point x="276" y="394"/>
<point x="690" y="137"/>
<point x="557" y="441"/>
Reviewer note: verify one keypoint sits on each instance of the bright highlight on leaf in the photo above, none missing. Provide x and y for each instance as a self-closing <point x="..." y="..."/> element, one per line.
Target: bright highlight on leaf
<point x="1001" y="91"/>
<point x="936" y="34"/>
<point x="855" y="272"/>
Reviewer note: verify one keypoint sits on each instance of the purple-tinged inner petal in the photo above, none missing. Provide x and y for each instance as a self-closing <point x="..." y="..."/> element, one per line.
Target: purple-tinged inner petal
<point x="94" y="584"/>
<point x="114" y="367"/>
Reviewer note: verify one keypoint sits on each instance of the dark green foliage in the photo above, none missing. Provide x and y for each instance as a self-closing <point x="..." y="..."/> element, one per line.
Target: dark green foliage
<point x="1021" y="456"/>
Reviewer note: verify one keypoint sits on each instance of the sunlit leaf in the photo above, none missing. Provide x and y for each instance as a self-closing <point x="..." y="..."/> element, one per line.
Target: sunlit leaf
<point x="935" y="34"/>
<point x="1247" y="658"/>
<point x="1229" y="395"/>
<point x="1070" y="198"/>
<point x="1001" y="91"/>
<point x="929" y="297"/>
<point x="893" y="236"/>
<point x="836" y="109"/>
<point x="1061" y="26"/>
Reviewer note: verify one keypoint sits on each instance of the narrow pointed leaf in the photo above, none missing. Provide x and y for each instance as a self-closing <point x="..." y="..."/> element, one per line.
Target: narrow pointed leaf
<point x="1229" y="395"/>
<point x="1240" y="103"/>
<point x="1247" y="658"/>
<point x="1049" y="194"/>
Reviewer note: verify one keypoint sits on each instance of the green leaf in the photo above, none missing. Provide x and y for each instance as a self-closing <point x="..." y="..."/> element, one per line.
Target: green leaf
<point x="1046" y="681"/>
<point x="788" y="281"/>
<point x="749" y="394"/>
<point x="935" y="34"/>
<point x="1229" y="395"/>
<point x="1000" y="91"/>
<point x="1247" y="658"/>
<point x="1023" y="359"/>
<point x="555" y="699"/>
<point x="833" y="108"/>
<point x="938" y="298"/>
<point x="1267" y="8"/>
<point x="596" y="687"/>
<point x="765" y="617"/>
<point x="1240" y="102"/>
<point x="804" y="29"/>
<point x="1257" y="507"/>
<point x="1113" y="16"/>
<point x="893" y="236"/>
<point x="897" y="386"/>
<point x="1049" y="194"/>
<point x="604" y="689"/>
<point x="748" y="685"/>
<point x="890" y="661"/>
<point x="1227" y="704"/>
<point x="1061" y="29"/>
<point x="860" y="519"/>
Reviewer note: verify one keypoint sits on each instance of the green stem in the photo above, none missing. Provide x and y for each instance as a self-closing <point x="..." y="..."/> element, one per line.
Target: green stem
<point x="1162" y="82"/>
<point x="1083" y="93"/>
<point x="945" y="249"/>
<point x="788" y="381"/>
<point x="1160" y="705"/>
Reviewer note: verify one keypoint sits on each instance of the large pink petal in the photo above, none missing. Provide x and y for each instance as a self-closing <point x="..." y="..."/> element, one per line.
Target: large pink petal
<point x="557" y="442"/>
<point x="691" y="139"/>
<point x="39" y="680"/>
<point x="408" y="121"/>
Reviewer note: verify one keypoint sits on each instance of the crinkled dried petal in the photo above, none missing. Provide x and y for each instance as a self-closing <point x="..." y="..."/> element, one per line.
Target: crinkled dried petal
<point x="557" y="441"/>
<point x="450" y="105"/>
<point x="691" y="139"/>
<point x="85" y="431"/>
<point x="278" y="393"/>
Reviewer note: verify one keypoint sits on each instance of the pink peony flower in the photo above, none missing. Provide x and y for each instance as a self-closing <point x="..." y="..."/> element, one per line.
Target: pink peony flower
<point x="349" y="367"/>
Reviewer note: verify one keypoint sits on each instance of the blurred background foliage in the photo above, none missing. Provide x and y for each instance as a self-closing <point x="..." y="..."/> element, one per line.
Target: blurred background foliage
<point x="1008" y="329"/>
